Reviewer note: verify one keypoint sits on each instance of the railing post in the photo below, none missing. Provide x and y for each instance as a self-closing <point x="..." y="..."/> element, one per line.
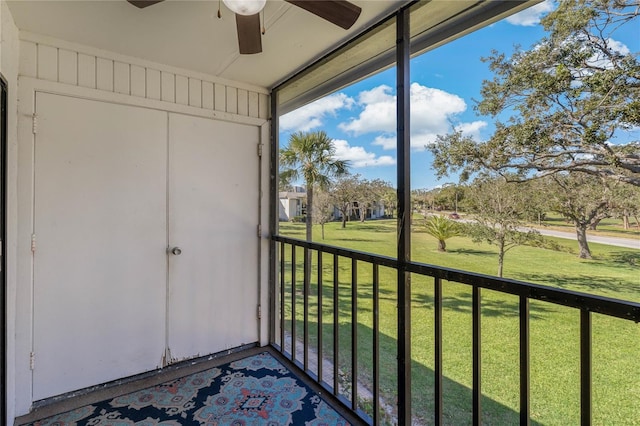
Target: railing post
<point x="305" y="304"/>
<point x="525" y="408"/>
<point x="282" y="298"/>
<point x="354" y="334"/>
<point x="319" y="338"/>
<point x="477" y="357"/>
<point x="293" y="302"/>
<point x="437" y="306"/>
<point x="376" y="345"/>
<point x="585" y="367"/>
<point x="336" y="326"/>
<point x="404" y="215"/>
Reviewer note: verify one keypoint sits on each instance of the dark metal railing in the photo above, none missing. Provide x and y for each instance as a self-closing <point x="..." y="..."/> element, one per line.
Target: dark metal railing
<point x="585" y="303"/>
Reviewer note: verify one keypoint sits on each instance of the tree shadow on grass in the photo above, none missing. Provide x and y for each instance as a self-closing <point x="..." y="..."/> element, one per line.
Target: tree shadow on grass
<point x="363" y="240"/>
<point x="457" y="398"/>
<point x="474" y="252"/>
<point x="584" y="283"/>
<point x="491" y="307"/>
<point x="622" y="258"/>
<point x="360" y="226"/>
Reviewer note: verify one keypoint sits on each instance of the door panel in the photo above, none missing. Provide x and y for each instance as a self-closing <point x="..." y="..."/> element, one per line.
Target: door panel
<point x="213" y="216"/>
<point x="100" y="225"/>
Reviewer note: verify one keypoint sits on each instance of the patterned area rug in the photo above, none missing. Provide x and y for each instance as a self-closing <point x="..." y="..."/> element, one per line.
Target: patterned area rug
<point x="253" y="391"/>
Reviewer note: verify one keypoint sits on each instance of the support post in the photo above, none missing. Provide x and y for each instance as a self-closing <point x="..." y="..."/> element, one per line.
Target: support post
<point x="404" y="216"/>
<point x="273" y="220"/>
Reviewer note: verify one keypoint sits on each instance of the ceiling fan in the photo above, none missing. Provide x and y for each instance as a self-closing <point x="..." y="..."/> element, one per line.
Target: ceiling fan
<point x="339" y="12"/>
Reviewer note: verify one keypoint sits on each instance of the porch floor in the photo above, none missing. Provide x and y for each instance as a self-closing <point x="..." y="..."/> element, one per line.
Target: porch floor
<point x="255" y="386"/>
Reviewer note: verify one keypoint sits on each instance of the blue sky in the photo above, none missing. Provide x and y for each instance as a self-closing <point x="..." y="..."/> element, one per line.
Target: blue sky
<point x="361" y="118"/>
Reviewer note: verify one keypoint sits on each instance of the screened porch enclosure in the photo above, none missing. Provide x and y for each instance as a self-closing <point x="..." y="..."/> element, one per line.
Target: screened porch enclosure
<point x="348" y="317"/>
<point x="143" y="227"/>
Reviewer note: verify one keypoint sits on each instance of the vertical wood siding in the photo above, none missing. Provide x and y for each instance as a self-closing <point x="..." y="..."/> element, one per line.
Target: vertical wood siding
<point x="64" y="65"/>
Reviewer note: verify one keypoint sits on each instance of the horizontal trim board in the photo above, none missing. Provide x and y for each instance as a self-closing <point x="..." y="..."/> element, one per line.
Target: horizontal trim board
<point x="33" y="85"/>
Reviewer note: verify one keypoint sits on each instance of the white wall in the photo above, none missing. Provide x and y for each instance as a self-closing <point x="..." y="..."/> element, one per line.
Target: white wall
<point x="38" y="63"/>
<point x="9" y="58"/>
<point x="283" y="209"/>
<point x="289" y="208"/>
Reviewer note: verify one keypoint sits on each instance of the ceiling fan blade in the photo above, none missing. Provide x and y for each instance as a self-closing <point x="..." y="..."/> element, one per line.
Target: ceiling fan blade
<point x="249" y="36"/>
<point x="143" y="3"/>
<point x="340" y="12"/>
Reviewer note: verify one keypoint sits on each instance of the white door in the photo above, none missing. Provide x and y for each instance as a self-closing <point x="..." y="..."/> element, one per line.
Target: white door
<point x="213" y="217"/>
<point x="100" y="237"/>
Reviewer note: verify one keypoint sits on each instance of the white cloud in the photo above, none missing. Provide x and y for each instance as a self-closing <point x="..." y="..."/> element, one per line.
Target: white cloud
<point x="618" y="46"/>
<point x="472" y="129"/>
<point x="386" y="142"/>
<point x="432" y="111"/>
<point x="600" y="60"/>
<point x="312" y="115"/>
<point x="359" y="157"/>
<point x="531" y="16"/>
<point x="378" y="115"/>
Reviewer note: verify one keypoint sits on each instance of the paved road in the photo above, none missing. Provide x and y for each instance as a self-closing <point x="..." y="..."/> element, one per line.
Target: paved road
<point x="612" y="241"/>
<point x="633" y="243"/>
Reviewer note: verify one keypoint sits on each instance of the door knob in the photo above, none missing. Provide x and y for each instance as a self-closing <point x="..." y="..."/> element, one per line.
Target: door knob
<point x="176" y="251"/>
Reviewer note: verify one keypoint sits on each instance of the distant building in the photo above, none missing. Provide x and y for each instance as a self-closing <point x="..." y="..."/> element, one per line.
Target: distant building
<point x="374" y="211"/>
<point x="292" y="203"/>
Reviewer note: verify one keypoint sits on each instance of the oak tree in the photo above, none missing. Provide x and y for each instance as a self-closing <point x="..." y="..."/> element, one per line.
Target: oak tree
<point x="566" y="104"/>
<point x="498" y="208"/>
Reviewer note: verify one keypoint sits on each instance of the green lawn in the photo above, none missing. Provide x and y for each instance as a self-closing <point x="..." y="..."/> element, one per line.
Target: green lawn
<point x="613" y="272"/>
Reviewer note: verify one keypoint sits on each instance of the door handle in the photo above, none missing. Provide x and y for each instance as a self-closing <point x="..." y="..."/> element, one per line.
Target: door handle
<point x="176" y="251"/>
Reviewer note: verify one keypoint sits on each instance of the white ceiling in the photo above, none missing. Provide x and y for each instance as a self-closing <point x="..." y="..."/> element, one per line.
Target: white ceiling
<point x="188" y="34"/>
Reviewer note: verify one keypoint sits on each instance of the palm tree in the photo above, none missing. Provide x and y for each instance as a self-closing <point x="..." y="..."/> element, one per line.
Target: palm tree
<point x="441" y="228"/>
<point x="310" y="156"/>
